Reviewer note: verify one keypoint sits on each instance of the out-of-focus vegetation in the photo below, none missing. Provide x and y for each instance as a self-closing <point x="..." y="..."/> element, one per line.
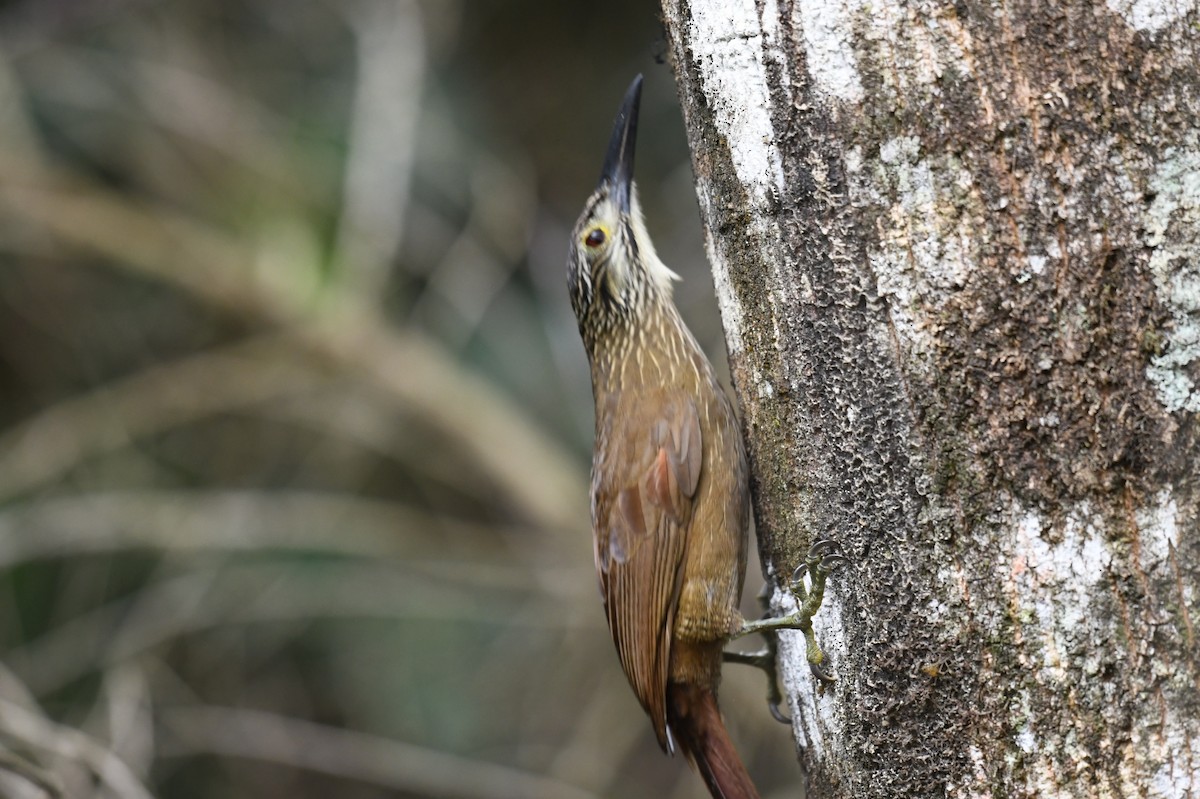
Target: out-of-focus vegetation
<point x="294" y="421"/>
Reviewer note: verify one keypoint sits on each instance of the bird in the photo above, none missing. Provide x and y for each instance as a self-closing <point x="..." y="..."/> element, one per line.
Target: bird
<point x="670" y="497"/>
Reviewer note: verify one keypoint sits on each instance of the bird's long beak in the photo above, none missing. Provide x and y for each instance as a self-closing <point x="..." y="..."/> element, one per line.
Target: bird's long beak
<point x="618" y="163"/>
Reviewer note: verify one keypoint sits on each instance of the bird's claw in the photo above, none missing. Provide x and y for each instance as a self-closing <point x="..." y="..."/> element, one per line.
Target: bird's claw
<point x="798" y="576"/>
<point x="823" y="668"/>
<point x="825" y="555"/>
<point x="823" y="558"/>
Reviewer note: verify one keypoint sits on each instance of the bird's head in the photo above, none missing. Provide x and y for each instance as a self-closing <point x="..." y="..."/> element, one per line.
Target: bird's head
<point x="612" y="269"/>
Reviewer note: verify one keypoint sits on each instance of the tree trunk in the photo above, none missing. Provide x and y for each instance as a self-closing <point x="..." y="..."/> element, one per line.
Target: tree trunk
<point x="957" y="251"/>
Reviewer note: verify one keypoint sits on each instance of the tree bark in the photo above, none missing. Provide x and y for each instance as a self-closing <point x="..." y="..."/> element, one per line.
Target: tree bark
<point x="957" y="251"/>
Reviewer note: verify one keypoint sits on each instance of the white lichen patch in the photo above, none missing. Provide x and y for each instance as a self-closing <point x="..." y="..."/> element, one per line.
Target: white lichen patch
<point x="1058" y="577"/>
<point x="1172" y="225"/>
<point x="1158" y="530"/>
<point x="920" y="257"/>
<point x="921" y="36"/>
<point x="727" y="46"/>
<point x="1176" y="780"/>
<point x="1174" y="744"/>
<point x="763" y="386"/>
<point x="1151" y="16"/>
<point x="1036" y="265"/>
<point x="920" y="42"/>
<point x="827" y="26"/>
<point x="1054" y="576"/>
<point x="1173" y="232"/>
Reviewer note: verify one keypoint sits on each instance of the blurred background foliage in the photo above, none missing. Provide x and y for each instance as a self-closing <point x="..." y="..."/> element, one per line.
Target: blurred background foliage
<point x="294" y="419"/>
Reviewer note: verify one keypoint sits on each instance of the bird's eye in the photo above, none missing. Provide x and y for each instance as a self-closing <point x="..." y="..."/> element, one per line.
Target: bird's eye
<point x="594" y="238"/>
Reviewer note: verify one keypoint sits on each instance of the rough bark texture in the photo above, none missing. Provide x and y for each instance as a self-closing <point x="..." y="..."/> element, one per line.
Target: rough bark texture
<point x="957" y="249"/>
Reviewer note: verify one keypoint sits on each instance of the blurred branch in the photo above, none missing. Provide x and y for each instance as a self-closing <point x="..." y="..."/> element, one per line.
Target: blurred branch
<point x="13" y="690"/>
<point x="257" y="592"/>
<point x="414" y="371"/>
<point x="379" y="161"/>
<point x="33" y="774"/>
<point x="128" y="710"/>
<point x="354" y="755"/>
<point x="37" y="731"/>
<point x="146" y="240"/>
<point x="481" y="259"/>
<point x="183" y="105"/>
<point x="241" y="377"/>
<point x="16" y="128"/>
<point x="368" y="420"/>
<point x="543" y="480"/>
<point x="598" y="718"/>
<point x="196" y="521"/>
<point x="58" y="439"/>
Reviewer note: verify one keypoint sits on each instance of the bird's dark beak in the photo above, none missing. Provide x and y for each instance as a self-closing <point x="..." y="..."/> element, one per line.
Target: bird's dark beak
<point x="618" y="163"/>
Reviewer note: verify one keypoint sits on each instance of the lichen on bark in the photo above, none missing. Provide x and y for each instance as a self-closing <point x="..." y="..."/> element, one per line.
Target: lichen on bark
<point x="966" y="347"/>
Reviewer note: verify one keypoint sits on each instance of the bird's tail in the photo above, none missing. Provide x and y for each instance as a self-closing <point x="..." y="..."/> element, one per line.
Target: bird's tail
<point x="698" y="728"/>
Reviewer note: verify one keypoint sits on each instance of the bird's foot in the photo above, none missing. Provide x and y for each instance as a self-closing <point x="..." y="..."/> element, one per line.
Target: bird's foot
<point x="767" y="660"/>
<point x="823" y="558"/>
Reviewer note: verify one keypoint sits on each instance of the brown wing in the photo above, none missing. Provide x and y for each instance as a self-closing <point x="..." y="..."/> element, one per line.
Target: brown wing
<point x="640" y="526"/>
